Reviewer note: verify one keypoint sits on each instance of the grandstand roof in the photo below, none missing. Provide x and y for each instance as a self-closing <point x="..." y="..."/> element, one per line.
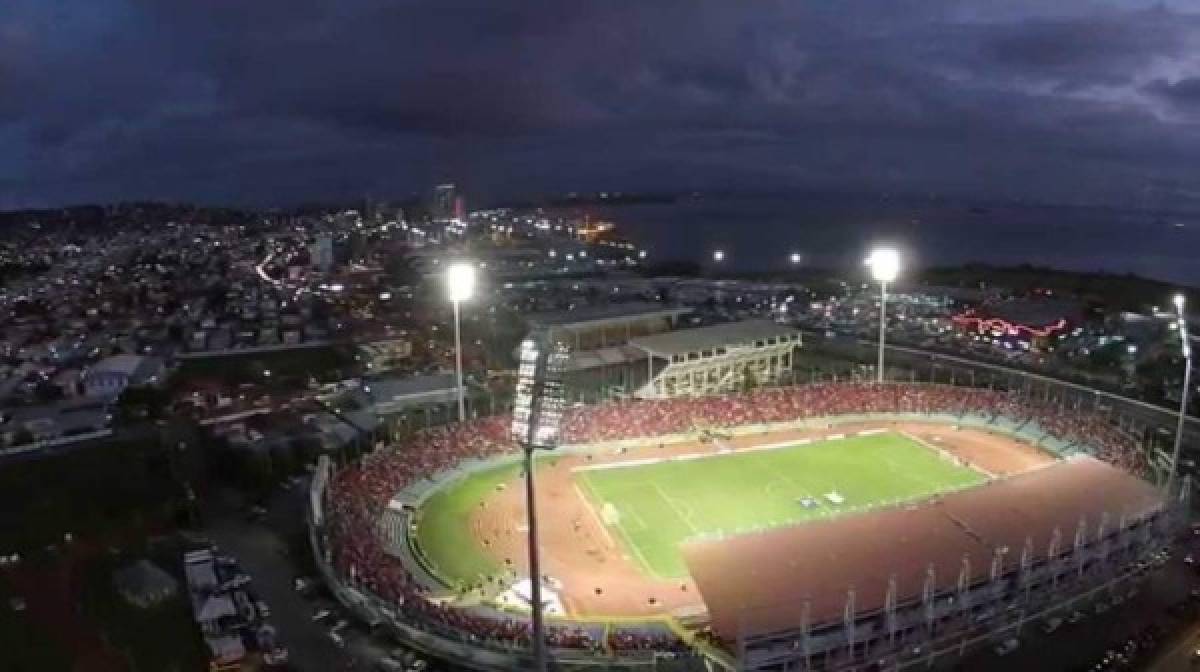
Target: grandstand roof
<point x="605" y="314"/>
<point x="590" y="359"/>
<point x="819" y="561"/>
<point x="390" y="389"/>
<point x="703" y="338"/>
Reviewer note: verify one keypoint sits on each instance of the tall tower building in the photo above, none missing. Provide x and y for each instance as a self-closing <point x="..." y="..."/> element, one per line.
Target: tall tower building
<point x="460" y="208"/>
<point x="321" y="252"/>
<point x="443" y="202"/>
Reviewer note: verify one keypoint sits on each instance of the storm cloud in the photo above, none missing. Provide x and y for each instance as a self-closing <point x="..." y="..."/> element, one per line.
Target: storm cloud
<point x="277" y="101"/>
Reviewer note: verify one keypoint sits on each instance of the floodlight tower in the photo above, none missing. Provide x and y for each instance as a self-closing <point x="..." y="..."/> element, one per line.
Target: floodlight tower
<point x="460" y="286"/>
<point x="885" y="266"/>
<point x="1186" y="346"/>
<point x="537" y="409"/>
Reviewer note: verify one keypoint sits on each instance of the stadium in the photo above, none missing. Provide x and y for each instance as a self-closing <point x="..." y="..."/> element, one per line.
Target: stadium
<point x="827" y="526"/>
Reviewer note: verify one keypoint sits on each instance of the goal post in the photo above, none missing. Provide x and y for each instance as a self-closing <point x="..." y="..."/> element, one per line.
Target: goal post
<point x="609" y="514"/>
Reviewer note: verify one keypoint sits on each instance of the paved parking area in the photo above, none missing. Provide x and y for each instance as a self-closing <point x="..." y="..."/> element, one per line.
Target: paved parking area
<point x="263" y="551"/>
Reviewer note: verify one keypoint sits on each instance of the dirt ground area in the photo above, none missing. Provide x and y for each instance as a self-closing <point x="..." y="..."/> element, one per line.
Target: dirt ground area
<point x="599" y="577"/>
<point x="993" y="454"/>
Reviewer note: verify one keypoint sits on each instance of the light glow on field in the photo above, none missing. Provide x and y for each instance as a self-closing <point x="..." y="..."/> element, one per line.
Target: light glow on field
<point x="662" y="504"/>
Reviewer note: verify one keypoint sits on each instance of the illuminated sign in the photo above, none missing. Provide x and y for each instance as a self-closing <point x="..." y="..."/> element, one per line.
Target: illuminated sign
<point x="999" y="327"/>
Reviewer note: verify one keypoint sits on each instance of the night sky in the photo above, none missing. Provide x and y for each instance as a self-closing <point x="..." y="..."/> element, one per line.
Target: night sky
<point x="277" y="101"/>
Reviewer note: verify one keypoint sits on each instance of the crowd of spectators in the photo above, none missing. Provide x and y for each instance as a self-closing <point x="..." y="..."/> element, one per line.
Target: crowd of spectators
<point x="359" y="494"/>
<point x="632" y="419"/>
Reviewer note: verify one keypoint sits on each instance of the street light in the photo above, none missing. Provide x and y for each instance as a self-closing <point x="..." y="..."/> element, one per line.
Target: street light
<point x="460" y="285"/>
<point x="795" y="258"/>
<point x="1186" y="346"/>
<point x="885" y="265"/>
<point x="718" y="256"/>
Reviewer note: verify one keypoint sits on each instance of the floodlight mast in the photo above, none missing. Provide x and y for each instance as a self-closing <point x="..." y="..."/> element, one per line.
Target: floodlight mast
<point x="460" y="285"/>
<point x="537" y="410"/>
<point x="1186" y="346"/>
<point x="885" y="266"/>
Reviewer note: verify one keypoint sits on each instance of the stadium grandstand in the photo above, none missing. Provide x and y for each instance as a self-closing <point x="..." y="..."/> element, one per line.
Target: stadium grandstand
<point x="899" y="583"/>
<point x="716" y="359"/>
<point x="925" y="576"/>
<point x="602" y="362"/>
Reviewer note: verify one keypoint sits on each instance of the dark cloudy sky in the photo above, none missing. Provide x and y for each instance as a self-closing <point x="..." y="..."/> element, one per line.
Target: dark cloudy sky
<point x="274" y="101"/>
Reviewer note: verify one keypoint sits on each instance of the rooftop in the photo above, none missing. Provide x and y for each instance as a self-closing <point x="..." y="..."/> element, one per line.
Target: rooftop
<point x="703" y="338"/>
<point x="383" y="390"/>
<point x="820" y="561"/>
<point x="606" y="314"/>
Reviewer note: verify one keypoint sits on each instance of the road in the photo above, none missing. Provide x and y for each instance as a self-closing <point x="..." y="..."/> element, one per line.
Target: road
<point x="263" y="551"/>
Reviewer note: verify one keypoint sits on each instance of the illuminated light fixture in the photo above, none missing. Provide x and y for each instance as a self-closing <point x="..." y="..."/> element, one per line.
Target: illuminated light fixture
<point x="1186" y="347"/>
<point x="795" y="257"/>
<point x="884" y="263"/>
<point x="460" y="281"/>
<point x="718" y="255"/>
<point x="885" y="266"/>
<point x="537" y="410"/>
<point x="1000" y="326"/>
<point x="460" y="286"/>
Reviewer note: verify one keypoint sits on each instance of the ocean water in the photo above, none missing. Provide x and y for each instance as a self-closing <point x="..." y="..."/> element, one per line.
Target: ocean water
<point x="760" y="232"/>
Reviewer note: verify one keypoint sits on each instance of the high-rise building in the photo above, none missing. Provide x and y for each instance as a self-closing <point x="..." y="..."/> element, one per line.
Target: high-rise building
<point x="460" y="208"/>
<point x="443" y="202"/>
<point x="321" y="252"/>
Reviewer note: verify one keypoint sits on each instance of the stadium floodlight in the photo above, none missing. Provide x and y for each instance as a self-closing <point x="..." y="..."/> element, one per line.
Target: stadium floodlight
<point x="885" y="266"/>
<point x="460" y="281"/>
<point x="1186" y="347"/>
<point x="537" y="411"/>
<point x="884" y="263"/>
<point x="460" y="286"/>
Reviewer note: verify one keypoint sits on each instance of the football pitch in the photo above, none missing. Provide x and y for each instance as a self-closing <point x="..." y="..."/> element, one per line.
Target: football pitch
<point x="655" y="507"/>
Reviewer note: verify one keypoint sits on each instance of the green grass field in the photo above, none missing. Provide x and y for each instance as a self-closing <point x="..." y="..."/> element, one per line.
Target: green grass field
<point x="444" y="531"/>
<point x="661" y="505"/>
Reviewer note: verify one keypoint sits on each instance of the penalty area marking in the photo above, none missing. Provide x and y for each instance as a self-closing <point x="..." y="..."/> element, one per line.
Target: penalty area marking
<point x="687" y="520"/>
<point x="641" y="462"/>
<point x="596" y="517"/>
